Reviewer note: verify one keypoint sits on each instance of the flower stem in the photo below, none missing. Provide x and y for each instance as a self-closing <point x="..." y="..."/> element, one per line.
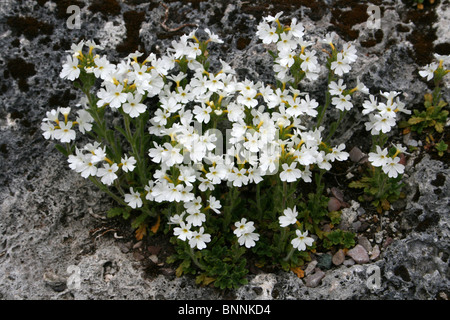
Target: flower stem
<point x="289" y="255"/>
<point x="105" y="189"/>
<point x="191" y="253"/>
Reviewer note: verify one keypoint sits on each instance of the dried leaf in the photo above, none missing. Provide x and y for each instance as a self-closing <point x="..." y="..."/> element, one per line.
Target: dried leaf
<point x="155" y="227"/>
<point x="299" y="272"/>
<point x="141" y="231"/>
<point x="204" y="280"/>
<point x="385" y="204"/>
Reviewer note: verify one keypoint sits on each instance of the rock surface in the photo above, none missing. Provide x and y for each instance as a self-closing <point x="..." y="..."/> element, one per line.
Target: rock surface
<point x="51" y="227"/>
<point x="359" y="254"/>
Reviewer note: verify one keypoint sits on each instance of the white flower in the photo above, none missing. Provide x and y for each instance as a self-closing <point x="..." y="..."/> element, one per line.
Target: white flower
<point x="183" y="232"/>
<point x="238" y="177"/>
<point x="342" y="102"/>
<point x="214" y="204"/>
<point x="349" y="53"/>
<point x="213" y="37"/>
<point x="103" y="67"/>
<point x="254" y="175"/>
<point x="171" y="155"/>
<point x="199" y="239"/>
<point x="329" y="38"/>
<point x="338" y="154"/>
<point x="370" y="105"/>
<point x="337" y="89"/>
<point x="49" y="130"/>
<point x="289" y="217"/>
<point x="202" y="113"/>
<point x="114" y="95"/>
<point x="108" y="173"/>
<point x="286" y="58"/>
<point x="382" y="122"/>
<point x="243" y="227"/>
<point x="70" y="69"/>
<point x="378" y="158"/>
<point x="290" y="173"/>
<point x="269" y="18"/>
<point x="309" y="61"/>
<point x="128" y="164"/>
<point x="392" y="167"/>
<point x="65" y="132"/>
<point x="133" y="199"/>
<point x="149" y="191"/>
<point x="428" y="71"/>
<point x="286" y="42"/>
<point x="177" y="219"/>
<point x="302" y="240"/>
<point x="133" y="106"/>
<point x="196" y="218"/>
<point x="248" y="239"/>
<point x="87" y="167"/>
<point x="341" y="65"/>
<point x="84" y="120"/>
<point x="297" y="28"/>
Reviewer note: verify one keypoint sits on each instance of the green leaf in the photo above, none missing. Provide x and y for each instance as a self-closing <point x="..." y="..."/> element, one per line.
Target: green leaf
<point x="139" y="220"/>
<point x="114" y="212"/>
<point x="61" y="149"/>
<point x="439" y="126"/>
<point x="415" y="120"/>
<point x="358" y="184"/>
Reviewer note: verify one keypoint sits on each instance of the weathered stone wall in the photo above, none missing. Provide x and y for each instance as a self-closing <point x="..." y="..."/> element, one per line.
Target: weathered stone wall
<point x="51" y="218"/>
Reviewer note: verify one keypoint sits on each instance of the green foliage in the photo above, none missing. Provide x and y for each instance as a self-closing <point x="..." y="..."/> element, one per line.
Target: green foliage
<point x="339" y="237"/>
<point x="379" y="189"/>
<point x="441" y="147"/>
<point x="432" y="117"/>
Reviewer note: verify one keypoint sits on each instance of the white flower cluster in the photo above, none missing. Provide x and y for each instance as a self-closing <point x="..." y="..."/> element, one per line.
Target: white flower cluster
<point x="389" y="165"/>
<point x="266" y="126"/>
<point x="301" y="241"/>
<point x="87" y="160"/>
<point x="63" y="130"/>
<point x="383" y="116"/>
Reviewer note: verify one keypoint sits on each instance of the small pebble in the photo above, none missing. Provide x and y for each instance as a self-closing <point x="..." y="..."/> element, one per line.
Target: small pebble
<point x="324" y="261"/>
<point x="310" y="268"/>
<point x="359" y="254"/>
<point x="314" y="279"/>
<point x="375" y="252"/>
<point x="356" y="154"/>
<point x="365" y="243"/>
<point x="338" y="257"/>
<point x="349" y="262"/>
<point x="333" y="204"/>
<point x="338" y="194"/>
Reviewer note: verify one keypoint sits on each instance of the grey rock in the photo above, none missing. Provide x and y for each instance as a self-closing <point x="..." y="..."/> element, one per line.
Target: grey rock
<point x="311" y="266"/>
<point x="365" y="243"/>
<point x="359" y="254"/>
<point x="349" y="262"/>
<point x="55" y="282"/>
<point x="356" y="154"/>
<point x="375" y="253"/>
<point x="338" y="257"/>
<point x="324" y="261"/>
<point x="349" y="215"/>
<point x="333" y="204"/>
<point x="314" y="279"/>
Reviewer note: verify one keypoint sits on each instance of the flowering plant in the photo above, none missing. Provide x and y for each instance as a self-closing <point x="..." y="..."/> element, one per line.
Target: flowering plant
<point x="222" y="162"/>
